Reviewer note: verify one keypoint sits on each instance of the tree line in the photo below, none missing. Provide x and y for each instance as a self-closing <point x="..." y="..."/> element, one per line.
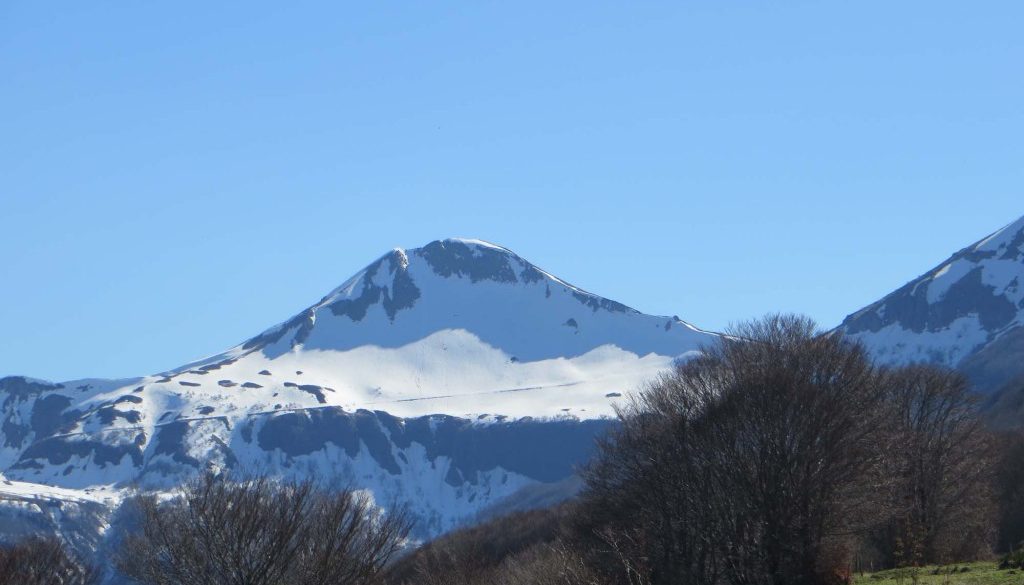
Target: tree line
<point x="779" y="456"/>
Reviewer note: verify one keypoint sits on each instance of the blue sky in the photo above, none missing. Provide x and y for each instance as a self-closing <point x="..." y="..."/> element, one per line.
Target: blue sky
<point x="176" y="177"/>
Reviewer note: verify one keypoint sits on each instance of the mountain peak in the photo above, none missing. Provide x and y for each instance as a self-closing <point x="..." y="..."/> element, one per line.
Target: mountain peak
<point x="389" y="279"/>
<point x="471" y="242"/>
<point x="466" y="292"/>
<point x="478" y="260"/>
<point x="964" y="307"/>
<point x="1007" y="241"/>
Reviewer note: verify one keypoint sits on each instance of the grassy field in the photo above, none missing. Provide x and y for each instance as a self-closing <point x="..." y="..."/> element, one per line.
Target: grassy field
<point x="962" y="574"/>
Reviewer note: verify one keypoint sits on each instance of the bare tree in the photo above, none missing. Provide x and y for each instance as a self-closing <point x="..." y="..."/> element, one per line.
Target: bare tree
<point x="1010" y="491"/>
<point x="44" y="561"/>
<point x="749" y="464"/>
<point x="556" y="563"/>
<point x="260" y="532"/>
<point x="943" y="498"/>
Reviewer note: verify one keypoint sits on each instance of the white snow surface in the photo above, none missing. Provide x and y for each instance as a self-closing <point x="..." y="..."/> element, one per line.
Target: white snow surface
<point x="896" y="345"/>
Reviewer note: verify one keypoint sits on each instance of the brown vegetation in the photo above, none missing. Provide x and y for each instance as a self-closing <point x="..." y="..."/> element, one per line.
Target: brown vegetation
<point x="753" y="463"/>
<point x="530" y="547"/>
<point x="260" y="532"/>
<point x="43" y="561"/>
<point x="1009" y="490"/>
<point x="942" y="464"/>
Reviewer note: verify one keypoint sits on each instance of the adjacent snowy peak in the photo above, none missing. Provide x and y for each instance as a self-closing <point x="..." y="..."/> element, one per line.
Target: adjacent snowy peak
<point x="969" y="308"/>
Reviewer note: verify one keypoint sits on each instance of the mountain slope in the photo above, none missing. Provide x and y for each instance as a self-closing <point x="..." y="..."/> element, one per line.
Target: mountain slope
<point x="966" y="313"/>
<point x="450" y="377"/>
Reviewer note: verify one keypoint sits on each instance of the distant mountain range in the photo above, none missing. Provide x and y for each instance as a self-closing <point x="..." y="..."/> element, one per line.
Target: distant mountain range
<point x="456" y="378"/>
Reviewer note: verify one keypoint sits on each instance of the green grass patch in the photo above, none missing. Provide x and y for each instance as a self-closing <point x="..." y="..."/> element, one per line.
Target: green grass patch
<point x="986" y="573"/>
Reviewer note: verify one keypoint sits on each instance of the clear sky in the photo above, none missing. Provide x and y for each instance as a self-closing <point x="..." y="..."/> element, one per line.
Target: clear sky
<point x="177" y="176"/>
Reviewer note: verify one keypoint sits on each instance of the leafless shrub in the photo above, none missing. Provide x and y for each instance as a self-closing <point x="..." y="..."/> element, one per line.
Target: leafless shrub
<point x="944" y="505"/>
<point x="260" y="532"/>
<point x="1009" y="487"/>
<point x="630" y="561"/>
<point x="556" y="563"/>
<point x="44" y="561"/>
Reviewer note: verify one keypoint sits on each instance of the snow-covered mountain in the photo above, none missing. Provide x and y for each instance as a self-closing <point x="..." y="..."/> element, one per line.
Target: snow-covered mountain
<point x="459" y="327"/>
<point x="454" y="377"/>
<point x="967" y="313"/>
